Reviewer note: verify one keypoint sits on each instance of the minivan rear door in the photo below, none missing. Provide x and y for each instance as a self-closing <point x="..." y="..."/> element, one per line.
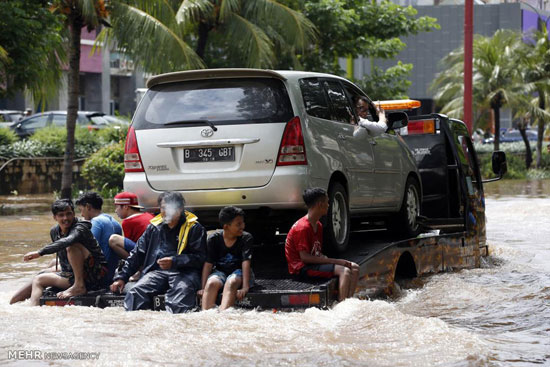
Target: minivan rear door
<point x="212" y="133"/>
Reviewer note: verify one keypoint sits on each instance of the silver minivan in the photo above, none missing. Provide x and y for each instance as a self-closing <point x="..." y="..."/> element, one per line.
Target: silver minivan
<point x="257" y="138"/>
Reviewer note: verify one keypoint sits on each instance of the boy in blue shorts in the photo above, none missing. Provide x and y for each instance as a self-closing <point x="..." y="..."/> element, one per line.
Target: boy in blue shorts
<point x="228" y="258"/>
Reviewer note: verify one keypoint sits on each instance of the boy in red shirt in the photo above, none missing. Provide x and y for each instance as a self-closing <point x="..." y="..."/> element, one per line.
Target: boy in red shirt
<point x="304" y="244"/>
<point x="134" y="223"/>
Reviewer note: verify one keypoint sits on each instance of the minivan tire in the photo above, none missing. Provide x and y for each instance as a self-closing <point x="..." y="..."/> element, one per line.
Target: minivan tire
<point x="405" y="222"/>
<point x="337" y="222"/>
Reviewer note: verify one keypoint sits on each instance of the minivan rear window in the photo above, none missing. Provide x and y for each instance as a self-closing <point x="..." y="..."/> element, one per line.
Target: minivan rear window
<point x="218" y="101"/>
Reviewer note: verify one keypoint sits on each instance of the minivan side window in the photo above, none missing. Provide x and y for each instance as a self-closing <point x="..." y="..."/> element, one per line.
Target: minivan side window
<point x="341" y="109"/>
<point x="314" y="98"/>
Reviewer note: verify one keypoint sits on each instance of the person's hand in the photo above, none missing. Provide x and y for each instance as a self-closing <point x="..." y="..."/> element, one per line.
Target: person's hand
<point x="165" y="263"/>
<point x="200" y="292"/>
<point x="31" y="256"/>
<point x="345" y="263"/>
<point x="241" y="293"/>
<point x="117" y="286"/>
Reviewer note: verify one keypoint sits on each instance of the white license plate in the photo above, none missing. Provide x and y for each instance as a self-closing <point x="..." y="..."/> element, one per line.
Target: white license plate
<point x="192" y="155"/>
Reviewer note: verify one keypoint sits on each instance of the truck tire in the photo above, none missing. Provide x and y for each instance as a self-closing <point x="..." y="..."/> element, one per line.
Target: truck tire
<point x="337" y="221"/>
<point x="405" y="221"/>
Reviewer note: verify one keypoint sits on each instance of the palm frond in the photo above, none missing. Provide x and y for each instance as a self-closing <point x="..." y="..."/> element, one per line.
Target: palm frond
<point x="227" y="8"/>
<point x="151" y="37"/>
<point x="295" y="28"/>
<point x="253" y="43"/>
<point x="194" y="10"/>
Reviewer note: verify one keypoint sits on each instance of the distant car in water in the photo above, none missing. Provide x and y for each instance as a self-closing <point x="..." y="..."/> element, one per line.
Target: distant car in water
<point x="92" y="120"/>
<point x="8" y="117"/>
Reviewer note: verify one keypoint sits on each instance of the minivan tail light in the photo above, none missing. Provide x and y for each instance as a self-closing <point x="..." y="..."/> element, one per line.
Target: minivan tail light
<point x="132" y="160"/>
<point x="293" y="149"/>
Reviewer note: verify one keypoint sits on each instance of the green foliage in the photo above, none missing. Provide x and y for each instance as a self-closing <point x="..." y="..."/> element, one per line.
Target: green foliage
<point x="51" y="142"/>
<point x="194" y="34"/>
<point x="54" y="140"/>
<point x="105" y="168"/>
<point x="113" y="134"/>
<point x="7" y="136"/>
<point x="358" y="27"/>
<point x="389" y="84"/>
<point x="32" y="41"/>
<point x="515" y="160"/>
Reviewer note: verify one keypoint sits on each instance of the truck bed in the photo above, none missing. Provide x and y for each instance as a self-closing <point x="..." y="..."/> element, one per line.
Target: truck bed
<point x="378" y="256"/>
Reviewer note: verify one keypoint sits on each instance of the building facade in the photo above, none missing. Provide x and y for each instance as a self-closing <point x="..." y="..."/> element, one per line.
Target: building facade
<point x="426" y="50"/>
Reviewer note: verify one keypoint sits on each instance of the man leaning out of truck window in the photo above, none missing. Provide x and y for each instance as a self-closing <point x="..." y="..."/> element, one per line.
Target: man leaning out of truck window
<point x="304" y="244"/>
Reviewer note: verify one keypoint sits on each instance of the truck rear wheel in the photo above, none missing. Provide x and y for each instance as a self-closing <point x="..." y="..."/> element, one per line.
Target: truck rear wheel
<point x="337" y="221"/>
<point x="405" y="221"/>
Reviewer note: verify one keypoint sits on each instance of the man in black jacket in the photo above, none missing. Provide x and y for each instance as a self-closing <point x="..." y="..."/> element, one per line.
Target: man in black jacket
<point x="83" y="265"/>
<point x="172" y="251"/>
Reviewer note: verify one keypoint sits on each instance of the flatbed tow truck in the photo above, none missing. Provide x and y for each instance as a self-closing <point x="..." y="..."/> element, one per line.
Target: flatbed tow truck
<point x="452" y="216"/>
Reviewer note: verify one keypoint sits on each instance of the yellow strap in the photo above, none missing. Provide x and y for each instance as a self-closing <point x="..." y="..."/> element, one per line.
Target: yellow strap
<point x="190" y="220"/>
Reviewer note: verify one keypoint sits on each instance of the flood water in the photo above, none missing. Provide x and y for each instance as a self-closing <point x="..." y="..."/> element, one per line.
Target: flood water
<point x="497" y="315"/>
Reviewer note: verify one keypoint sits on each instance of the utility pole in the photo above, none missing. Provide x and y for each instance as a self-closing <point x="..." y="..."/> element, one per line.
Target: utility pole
<point x="468" y="54"/>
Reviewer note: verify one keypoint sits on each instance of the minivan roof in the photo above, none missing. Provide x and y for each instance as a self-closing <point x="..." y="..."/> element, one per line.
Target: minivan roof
<point x="230" y="73"/>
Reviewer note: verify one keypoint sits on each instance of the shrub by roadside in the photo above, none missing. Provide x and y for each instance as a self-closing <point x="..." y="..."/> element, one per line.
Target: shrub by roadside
<point x="104" y="169"/>
<point x="7" y="136"/>
<point x="50" y="142"/>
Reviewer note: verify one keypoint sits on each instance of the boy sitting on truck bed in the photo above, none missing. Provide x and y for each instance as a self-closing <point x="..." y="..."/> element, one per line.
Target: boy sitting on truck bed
<point x="304" y="243"/>
<point x="229" y="253"/>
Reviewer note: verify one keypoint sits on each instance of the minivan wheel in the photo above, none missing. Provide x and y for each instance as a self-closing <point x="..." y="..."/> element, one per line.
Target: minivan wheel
<point x="405" y="221"/>
<point x="337" y="222"/>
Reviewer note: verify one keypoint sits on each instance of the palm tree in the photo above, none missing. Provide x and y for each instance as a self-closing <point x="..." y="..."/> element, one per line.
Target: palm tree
<point x="169" y="35"/>
<point x="497" y="81"/>
<point x="535" y="61"/>
<point x="78" y="14"/>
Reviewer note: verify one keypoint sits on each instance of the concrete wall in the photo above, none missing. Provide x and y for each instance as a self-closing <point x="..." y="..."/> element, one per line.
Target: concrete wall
<point x="37" y="176"/>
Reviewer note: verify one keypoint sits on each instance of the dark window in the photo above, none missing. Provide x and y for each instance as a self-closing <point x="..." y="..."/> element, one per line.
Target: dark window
<point x="341" y="110"/>
<point x="315" y="99"/>
<point x="220" y="101"/>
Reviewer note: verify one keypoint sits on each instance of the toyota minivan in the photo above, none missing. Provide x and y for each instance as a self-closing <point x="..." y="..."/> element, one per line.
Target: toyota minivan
<point x="257" y="138"/>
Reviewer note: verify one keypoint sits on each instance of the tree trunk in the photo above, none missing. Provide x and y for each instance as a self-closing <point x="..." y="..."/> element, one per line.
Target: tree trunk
<point x="540" y="137"/>
<point x="522" y="126"/>
<point x="496" y="110"/>
<point x="75" y="26"/>
<point x="203" y="37"/>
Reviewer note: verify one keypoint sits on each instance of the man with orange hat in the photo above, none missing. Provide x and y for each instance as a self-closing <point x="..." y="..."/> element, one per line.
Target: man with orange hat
<point x="134" y="223"/>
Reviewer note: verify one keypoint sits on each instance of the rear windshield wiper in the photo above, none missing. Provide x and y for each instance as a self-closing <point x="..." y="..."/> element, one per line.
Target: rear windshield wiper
<point x="207" y="122"/>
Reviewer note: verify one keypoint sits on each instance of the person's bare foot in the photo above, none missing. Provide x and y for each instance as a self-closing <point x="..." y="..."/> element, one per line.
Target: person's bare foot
<point x="72" y="292"/>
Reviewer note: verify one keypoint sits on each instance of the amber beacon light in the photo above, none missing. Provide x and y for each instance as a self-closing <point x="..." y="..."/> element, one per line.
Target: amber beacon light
<point x="399" y="104"/>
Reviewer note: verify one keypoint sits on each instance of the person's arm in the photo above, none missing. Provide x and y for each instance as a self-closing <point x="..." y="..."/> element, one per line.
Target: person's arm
<point x="136" y="258"/>
<point x="246" y="280"/>
<point x="75" y="236"/>
<point x="206" y="271"/>
<point x="194" y="254"/>
<point x="308" y="258"/>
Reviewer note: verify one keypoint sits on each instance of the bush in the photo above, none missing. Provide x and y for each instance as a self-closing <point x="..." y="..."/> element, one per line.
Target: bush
<point x="7" y="136"/>
<point x="105" y="168"/>
<point x="54" y="140"/>
<point x="113" y="134"/>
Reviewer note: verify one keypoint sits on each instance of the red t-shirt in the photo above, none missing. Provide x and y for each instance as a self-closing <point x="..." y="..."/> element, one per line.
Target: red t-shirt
<point x="302" y="238"/>
<point x="135" y="225"/>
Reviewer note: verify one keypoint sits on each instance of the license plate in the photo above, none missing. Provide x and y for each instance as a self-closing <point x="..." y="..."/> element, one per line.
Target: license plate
<point x="208" y="154"/>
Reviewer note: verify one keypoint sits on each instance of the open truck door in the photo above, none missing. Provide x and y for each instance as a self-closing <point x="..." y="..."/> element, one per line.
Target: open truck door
<point x="449" y="168"/>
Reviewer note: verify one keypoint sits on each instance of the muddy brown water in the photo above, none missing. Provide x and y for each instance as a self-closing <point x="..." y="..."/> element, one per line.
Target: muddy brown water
<point x="497" y="315"/>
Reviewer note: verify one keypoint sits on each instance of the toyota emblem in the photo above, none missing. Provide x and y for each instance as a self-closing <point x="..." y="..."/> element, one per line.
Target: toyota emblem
<point x="206" y="133"/>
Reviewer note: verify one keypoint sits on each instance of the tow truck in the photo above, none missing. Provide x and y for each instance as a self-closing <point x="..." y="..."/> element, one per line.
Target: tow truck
<point x="452" y="216"/>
